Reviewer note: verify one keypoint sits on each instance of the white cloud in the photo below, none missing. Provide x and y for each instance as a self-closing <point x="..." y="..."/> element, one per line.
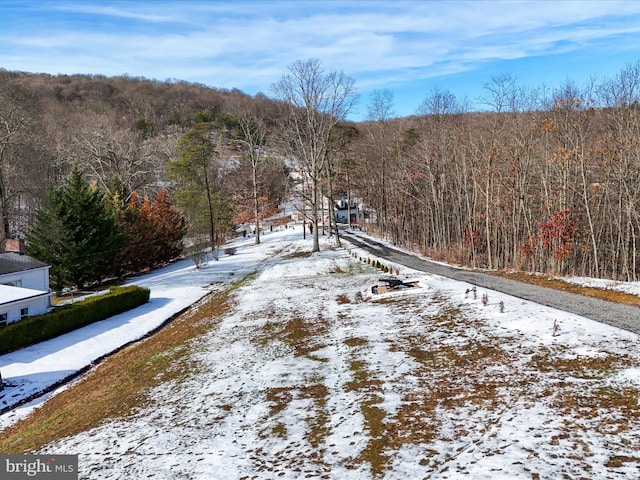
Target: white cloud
<point x="248" y="45"/>
<point x="111" y="11"/>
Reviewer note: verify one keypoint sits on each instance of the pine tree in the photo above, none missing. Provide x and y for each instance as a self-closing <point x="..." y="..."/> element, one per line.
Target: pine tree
<point x="119" y="199"/>
<point x="196" y="177"/>
<point x="76" y="233"/>
<point x="45" y="240"/>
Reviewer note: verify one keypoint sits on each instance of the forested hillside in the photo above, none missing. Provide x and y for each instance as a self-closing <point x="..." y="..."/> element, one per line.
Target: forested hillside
<point x="123" y="134"/>
<point x="544" y="180"/>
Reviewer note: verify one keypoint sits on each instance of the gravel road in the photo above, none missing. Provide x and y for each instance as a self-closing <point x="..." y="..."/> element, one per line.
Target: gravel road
<point x="619" y="315"/>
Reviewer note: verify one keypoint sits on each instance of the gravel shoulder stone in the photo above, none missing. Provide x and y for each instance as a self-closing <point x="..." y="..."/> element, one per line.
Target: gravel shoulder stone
<point x="618" y="315"/>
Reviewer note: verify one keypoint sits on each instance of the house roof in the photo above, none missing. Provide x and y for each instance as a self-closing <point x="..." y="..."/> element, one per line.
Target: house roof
<point x="10" y="294"/>
<point x="14" y="262"/>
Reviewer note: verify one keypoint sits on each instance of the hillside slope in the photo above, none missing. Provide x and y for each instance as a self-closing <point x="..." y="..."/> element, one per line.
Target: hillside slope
<point x="298" y="378"/>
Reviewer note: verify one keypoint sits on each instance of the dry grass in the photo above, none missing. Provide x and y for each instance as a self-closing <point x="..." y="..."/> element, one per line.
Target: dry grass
<point x="301" y="335"/>
<point x="119" y="384"/>
<point x="558" y="284"/>
<point x="374" y="454"/>
<point x="279" y="398"/>
<point x="343" y="299"/>
<point x="451" y="377"/>
<point x="356" y="342"/>
<point x="580" y="367"/>
<point x="466" y="382"/>
<point x="584" y="388"/>
<point x="298" y="254"/>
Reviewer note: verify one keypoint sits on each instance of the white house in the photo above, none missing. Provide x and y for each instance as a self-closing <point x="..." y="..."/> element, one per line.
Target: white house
<point x="344" y="208"/>
<point x="24" y="287"/>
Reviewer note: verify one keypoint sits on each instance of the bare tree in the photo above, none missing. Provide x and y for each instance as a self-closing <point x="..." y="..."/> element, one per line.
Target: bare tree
<point x="501" y="92"/>
<point x="620" y="96"/>
<point x="315" y="101"/>
<point x="18" y="119"/>
<point x="380" y="111"/>
<point x="251" y="136"/>
<point x="339" y="161"/>
<point x="107" y="150"/>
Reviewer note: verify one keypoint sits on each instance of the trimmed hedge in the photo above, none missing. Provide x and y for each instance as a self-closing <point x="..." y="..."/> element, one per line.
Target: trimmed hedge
<point x="64" y="319"/>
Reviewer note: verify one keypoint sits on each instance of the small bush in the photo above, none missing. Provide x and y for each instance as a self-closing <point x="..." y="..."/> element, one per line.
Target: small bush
<point x="199" y="258"/>
<point x="61" y="320"/>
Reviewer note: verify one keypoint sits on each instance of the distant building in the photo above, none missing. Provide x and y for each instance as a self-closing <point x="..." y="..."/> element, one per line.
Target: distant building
<point x="24" y="284"/>
<point x="344" y="209"/>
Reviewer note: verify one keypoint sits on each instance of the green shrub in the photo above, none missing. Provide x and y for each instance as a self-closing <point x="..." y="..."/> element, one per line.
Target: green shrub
<point x="64" y="319"/>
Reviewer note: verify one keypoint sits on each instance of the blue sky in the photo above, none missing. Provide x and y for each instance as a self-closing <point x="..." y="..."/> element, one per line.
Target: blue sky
<point x="408" y="47"/>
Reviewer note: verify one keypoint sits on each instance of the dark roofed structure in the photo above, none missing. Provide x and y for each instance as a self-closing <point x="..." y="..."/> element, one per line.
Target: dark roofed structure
<point x="14" y="262"/>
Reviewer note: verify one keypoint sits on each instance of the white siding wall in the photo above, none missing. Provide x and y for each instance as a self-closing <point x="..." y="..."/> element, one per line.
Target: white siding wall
<point x="36" y="306"/>
<point x="36" y="279"/>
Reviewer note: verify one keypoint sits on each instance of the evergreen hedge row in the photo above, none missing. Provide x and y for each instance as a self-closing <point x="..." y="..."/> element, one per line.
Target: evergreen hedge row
<point x="64" y="319"/>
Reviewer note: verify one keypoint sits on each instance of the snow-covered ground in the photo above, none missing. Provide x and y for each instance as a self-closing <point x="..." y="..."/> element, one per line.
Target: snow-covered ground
<point x="173" y="288"/>
<point x="303" y="380"/>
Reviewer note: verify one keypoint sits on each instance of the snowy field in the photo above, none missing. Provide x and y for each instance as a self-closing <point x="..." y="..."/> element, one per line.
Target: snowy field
<point x="304" y="380"/>
<point x="174" y="288"/>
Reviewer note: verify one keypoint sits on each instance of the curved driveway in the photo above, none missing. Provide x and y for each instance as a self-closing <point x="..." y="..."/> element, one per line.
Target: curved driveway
<point x="616" y="314"/>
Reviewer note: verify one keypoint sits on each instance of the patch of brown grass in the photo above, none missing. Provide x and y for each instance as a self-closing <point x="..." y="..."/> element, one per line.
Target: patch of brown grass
<point x="620" y="403"/>
<point x="585" y="392"/>
<point x="356" y="342"/>
<point x="361" y="379"/>
<point x="301" y="335"/>
<point x="415" y="421"/>
<point x="559" y="284"/>
<point x="374" y="416"/>
<point x="343" y="299"/>
<point x="119" y="385"/>
<point x="298" y="255"/>
<point x="581" y="367"/>
<point x="374" y="420"/>
<point x="279" y="399"/>
<point x="456" y="374"/>
<point x="617" y="461"/>
<point x="319" y="428"/>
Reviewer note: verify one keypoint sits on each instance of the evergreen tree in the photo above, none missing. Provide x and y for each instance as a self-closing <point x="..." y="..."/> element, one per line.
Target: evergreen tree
<point x="45" y="240"/>
<point x="196" y="175"/>
<point x="153" y="230"/>
<point x="118" y="199"/>
<point x="138" y="236"/>
<point x="76" y="233"/>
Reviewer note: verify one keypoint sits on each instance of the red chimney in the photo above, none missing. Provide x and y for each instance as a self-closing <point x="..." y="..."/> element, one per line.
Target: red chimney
<point x="15" y="245"/>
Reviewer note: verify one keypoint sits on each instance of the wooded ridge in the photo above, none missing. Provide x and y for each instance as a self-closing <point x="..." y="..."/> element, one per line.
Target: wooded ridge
<point x="542" y="180"/>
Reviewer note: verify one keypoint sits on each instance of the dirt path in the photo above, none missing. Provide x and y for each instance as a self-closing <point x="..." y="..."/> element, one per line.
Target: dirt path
<point x="622" y="316"/>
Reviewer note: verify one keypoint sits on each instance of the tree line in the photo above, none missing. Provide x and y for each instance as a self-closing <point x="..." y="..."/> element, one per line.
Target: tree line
<point x="544" y="180"/>
<point x="88" y="235"/>
<point x="541" y="179"/>
<point x="132" y="150"/>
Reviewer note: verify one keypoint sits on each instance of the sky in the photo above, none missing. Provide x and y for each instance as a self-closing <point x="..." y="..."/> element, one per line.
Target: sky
<point x="411" y="48"/>
<point x="294" y="375"/>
